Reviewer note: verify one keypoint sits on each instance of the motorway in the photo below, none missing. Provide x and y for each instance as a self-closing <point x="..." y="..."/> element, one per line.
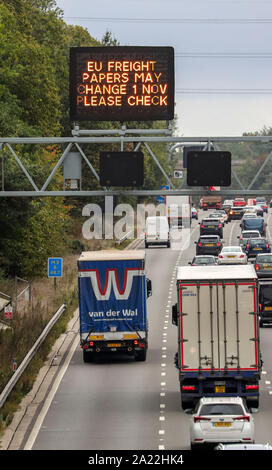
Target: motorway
<point x="121" y="404"/>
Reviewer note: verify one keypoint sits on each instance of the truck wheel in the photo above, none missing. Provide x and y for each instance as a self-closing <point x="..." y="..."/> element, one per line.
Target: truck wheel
<point x="140" y="355"/>
<point x="88" y="356"/>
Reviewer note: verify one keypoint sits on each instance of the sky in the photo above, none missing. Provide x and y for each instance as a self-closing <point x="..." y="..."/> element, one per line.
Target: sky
<point x="223" y="55"/>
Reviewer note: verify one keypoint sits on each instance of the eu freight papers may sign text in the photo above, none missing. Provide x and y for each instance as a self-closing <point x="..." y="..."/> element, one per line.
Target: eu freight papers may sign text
<point x="121" y="83"/>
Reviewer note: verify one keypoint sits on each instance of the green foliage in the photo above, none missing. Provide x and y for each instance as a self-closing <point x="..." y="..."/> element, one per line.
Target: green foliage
<point x="34" y="97"/>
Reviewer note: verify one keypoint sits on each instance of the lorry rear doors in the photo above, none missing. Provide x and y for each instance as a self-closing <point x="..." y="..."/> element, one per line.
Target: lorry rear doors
<point x="218" y="326"/>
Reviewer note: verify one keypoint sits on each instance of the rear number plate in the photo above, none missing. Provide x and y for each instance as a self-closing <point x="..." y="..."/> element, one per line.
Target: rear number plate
<point x="222" y="425"/>
<point x="220" y="389"/>
<point x="114" y="345"/>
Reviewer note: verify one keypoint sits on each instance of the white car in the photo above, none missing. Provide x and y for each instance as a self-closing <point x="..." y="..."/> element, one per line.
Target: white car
<point x="221" y="420"/>
<point x="232" y="255"/>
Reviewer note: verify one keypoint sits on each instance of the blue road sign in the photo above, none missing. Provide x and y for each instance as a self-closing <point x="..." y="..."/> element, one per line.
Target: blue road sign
<point x="55" y="267"/>
<point x="161" y="199"/>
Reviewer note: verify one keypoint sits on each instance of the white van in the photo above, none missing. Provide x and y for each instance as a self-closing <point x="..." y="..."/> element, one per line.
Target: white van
<point x="157" y="231"/>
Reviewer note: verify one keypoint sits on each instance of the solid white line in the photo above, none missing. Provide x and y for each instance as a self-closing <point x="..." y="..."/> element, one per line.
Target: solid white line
<point x="48" y="401"/>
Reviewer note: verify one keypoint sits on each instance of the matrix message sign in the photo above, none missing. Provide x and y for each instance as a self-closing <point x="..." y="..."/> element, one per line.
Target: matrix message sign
<point x="121" y="83"/>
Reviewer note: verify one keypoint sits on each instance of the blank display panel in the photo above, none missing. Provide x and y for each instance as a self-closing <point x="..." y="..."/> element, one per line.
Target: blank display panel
<point x="206" y="168"/>
<point x="121" y="169"/>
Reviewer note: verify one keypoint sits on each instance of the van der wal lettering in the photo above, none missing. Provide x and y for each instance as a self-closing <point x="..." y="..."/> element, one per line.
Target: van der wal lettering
<point x="114" y="313"/>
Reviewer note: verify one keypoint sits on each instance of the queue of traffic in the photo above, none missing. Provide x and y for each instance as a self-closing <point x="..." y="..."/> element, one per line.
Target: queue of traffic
<point x="223" y="297"/>
<point x="231" y="292"/>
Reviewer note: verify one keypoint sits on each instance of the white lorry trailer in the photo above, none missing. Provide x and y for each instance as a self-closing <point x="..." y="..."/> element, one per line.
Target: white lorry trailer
<point x="218" y="333"/>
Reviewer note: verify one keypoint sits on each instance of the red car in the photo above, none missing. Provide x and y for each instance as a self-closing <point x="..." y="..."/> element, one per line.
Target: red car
<point x="239" y="201"/>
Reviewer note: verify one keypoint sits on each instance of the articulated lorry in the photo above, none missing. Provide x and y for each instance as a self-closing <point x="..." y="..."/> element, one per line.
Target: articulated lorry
<point x="113" y="289"/>
<point x="178" y="211"/>
<point x="218" y="333"/>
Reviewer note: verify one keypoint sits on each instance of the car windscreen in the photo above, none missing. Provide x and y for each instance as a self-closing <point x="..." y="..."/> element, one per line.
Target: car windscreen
<point x="204" y="260"/>
<point x="257" y="241"/>
<point x="232" y="249"/>
<point x="264" y="259"/>
<point x="249" y="234"/>
<point x="211" y="221"/>
<point x="208" y="240"/>
<point x="221" y="409"/>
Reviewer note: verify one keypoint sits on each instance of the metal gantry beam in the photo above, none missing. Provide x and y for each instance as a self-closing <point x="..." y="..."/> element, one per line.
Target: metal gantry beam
<point x="124" y="136"/>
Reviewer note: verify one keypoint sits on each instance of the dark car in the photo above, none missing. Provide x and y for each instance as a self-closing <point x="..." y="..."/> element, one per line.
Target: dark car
<point x="263" y="265"/>
<point x="208" y="245"/>
<point x="211" y="227"/>
<point x="265" y="301"/>
<point x="255" y="246"/>
<point x="236" y="213"/>
<point x="246" y="235"/>
<point x="203" y="260"/>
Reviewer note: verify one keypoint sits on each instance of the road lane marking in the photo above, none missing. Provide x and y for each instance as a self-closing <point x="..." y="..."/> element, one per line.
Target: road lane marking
<point x="33" y="435"/>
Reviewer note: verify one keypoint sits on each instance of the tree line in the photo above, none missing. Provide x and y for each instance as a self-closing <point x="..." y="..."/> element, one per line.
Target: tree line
<point x="34" y="101"/>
